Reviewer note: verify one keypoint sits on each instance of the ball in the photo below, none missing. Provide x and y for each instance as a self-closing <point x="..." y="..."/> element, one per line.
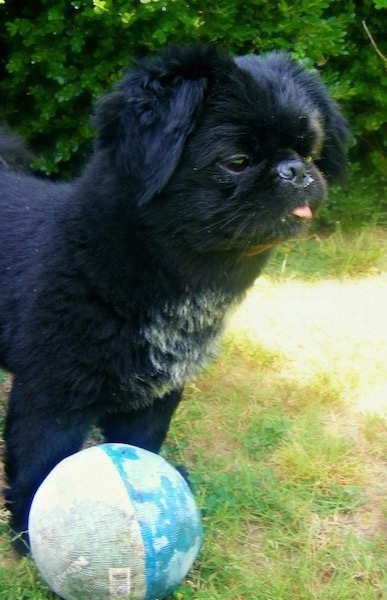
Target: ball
<point x="114" y="522"/>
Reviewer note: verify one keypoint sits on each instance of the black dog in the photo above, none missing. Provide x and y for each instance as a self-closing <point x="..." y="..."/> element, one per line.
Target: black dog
<point x="114" y="288"/>
<point x="13" y="153"/>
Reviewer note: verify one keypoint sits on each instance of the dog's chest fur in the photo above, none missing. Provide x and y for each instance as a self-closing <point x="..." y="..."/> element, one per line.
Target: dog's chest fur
<point x="176" y="342"/>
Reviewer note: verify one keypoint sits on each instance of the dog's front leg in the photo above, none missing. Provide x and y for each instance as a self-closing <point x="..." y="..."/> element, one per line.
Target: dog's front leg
<point x="39" y="432"/>
<point x="145" y="428"/>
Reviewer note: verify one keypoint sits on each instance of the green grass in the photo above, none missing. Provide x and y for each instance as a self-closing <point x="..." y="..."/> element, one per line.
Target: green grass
<point x="285" y="437"/>
<point x="336" y="256"/>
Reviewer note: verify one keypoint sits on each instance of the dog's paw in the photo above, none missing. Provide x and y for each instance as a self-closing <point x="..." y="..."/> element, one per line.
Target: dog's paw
<point x="184" y="473"/>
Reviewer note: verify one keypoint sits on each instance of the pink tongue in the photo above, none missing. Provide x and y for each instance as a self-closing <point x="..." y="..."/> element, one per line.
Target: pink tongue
<point x="303" y="212"/>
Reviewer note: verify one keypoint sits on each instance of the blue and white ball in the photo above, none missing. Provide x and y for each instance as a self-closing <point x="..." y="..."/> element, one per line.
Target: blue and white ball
<point x="114" y="522"/>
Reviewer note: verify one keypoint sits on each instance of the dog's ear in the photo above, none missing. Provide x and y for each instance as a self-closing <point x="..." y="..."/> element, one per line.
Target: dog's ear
<point x="333" y="160"/>
<point x="146" y="121"/>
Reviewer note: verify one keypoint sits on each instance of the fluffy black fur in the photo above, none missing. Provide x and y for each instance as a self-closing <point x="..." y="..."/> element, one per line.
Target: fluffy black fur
<point x="13" y="152"/>
<point x="114" y="288"/>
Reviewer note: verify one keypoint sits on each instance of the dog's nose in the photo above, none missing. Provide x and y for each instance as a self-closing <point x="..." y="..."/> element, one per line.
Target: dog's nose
<point x="293" y="170"/>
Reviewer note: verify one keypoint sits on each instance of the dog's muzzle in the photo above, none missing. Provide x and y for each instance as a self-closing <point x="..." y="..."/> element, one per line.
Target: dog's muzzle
<point x="293" y="171"/>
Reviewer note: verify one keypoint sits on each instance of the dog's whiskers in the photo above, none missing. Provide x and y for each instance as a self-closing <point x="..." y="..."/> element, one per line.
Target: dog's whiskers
<point x="227" y="220"/>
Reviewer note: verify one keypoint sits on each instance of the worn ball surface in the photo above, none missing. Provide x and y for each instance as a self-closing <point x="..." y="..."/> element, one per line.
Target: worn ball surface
<point x="114" y="522"/>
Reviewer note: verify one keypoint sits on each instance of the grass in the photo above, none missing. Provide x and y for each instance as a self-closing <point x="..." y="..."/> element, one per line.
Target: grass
<point x="336" y="256"/>
<point x="285" y="437"/>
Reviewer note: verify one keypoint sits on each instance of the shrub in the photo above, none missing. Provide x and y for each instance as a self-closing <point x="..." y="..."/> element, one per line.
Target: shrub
<point x="57" y="56"/>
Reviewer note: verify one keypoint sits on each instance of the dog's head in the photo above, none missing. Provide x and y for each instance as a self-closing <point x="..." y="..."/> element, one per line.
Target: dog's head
<point x="233" y="154"/>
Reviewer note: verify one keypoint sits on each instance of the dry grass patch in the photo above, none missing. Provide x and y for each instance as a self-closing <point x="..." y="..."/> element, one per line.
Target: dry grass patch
<point x="324" y="327"/>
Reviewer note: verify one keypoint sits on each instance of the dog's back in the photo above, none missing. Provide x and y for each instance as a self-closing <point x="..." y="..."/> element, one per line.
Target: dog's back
<point x="14" y="153"/>
<point x="27" y="208"/>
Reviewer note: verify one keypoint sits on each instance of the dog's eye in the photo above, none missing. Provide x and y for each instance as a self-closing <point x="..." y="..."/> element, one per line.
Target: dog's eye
<point x="238" y="163"/>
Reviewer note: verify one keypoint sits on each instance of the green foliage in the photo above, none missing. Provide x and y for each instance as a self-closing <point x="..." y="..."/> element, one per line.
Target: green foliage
<point x="360" y="202"/>
<point x="57" y="56"/>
